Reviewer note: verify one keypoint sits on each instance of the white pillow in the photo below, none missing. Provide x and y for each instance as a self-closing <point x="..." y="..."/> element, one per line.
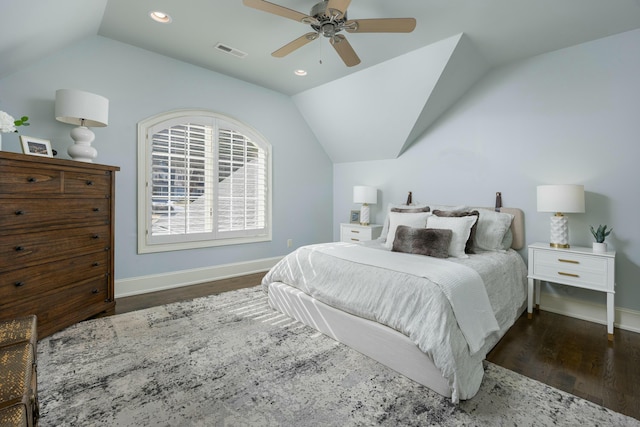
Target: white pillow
<point x="385" y="226"/>
<point x="461" y="227"/>
<point x="415" y="220"/>
<point x="492" y="229"/>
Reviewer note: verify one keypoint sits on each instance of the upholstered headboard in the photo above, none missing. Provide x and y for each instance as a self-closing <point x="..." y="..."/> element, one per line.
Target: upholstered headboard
<point x="517" y="226"/>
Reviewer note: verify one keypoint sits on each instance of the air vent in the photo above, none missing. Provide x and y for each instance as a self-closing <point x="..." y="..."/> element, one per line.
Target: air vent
<point x="231" y="51"/>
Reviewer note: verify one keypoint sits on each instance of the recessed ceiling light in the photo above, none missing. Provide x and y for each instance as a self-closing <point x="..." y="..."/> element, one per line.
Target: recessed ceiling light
<point x="300" y="72"/>
<point x="160" y="17"/>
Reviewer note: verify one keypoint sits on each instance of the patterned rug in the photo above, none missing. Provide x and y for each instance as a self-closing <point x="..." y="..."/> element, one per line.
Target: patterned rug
<point x="230" y="360"/>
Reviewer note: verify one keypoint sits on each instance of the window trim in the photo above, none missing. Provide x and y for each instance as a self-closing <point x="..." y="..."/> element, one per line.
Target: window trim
<point x="144" y="189"/>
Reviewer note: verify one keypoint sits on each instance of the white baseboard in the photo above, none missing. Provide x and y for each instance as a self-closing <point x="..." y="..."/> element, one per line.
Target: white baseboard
<point x="624" y="318"/>
<point x="176" y="279"/>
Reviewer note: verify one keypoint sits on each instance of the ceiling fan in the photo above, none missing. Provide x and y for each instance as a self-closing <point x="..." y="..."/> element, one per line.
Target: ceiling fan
<point x="328" y="18"/>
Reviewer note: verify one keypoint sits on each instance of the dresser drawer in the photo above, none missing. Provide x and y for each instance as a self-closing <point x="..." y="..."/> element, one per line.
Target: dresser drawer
<point x="24" y="284"/>
<point x="87" y="184"/>
<point x="18" y="251"/>
<point x="575" y="269"/>
<point x="14" y="180"/>
<point x="46" y="213"/>
<point x="56" y="310"/>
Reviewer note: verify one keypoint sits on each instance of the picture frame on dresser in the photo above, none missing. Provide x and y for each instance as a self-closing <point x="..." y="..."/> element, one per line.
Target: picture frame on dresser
<point x="36" y="146"/>
<point x="354" y="217"/>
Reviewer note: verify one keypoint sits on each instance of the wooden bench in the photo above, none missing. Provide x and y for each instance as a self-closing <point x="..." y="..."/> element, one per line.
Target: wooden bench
<point x="18" y="382"/>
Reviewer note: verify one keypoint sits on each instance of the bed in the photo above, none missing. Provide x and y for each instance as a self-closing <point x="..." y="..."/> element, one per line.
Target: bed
<point x="430" y="318"/>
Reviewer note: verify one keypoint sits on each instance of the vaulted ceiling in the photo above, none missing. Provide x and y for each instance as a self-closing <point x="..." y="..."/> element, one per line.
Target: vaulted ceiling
<point x="453" y="44"/>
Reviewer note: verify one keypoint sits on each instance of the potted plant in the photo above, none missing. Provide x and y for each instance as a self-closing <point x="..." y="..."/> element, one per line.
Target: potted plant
<point x="600" y="234"/>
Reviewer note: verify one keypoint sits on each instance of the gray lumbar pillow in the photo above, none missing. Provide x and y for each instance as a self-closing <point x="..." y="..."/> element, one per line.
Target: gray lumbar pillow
<point x="422" y="241"/>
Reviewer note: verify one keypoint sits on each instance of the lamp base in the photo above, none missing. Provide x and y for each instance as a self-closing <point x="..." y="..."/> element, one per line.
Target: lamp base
<point x="364" y="214"/>
<point x="82" y="150"/>
<point x="559" y="237"/>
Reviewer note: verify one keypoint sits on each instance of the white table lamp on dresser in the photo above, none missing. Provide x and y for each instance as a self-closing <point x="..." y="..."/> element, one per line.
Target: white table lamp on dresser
<point x="560" y="199"/>
<point x="367" y="196"/>
<point x="85" y="110"/>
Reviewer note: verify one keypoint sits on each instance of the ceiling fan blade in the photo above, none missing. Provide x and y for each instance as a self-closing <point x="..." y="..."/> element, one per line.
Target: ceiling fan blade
<point x="383" y="25"/>
<point x="340" y="5"/>
<point x="265" y="6"/>
<point x="344" y="49"/>
<point x="296" y="44"/>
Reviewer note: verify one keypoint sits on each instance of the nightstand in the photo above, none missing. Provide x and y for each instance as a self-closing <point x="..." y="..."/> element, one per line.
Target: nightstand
<point x="359" y="233"/>
<point x="576" y="266"/>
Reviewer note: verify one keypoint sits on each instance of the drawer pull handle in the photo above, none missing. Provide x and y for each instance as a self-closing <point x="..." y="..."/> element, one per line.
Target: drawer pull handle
<point x="355" y="240"/>
<point x="570" y="261"/>
<point x="19" y="212"/>
<point x="355" y="231"/>
<point x="95" y="237"/>
<point x="19" y="248"/>
<point x="89" y="182"/>
<point x="567" y="274"/>
<point x="18" y="284"/>
<point x="96" y="209"/>
<point x="31" y="179"/>
<point x="95" y="264"/>
<point x="94" y="291"/>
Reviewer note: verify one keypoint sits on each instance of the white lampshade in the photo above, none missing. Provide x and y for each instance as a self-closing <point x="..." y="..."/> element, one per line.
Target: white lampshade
<point x="365" y="195"/>
<point x="560" y="199"/>
<point x="84" y="109"/>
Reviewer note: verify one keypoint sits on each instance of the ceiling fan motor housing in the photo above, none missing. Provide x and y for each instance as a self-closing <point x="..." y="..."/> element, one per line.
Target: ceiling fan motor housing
<point x="327" y="22"/>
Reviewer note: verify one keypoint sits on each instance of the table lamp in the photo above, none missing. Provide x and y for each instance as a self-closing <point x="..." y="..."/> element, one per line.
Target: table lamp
<point x="85" y="110"/>
<point x="560" y="199"/>
<point x="366" y="196"/>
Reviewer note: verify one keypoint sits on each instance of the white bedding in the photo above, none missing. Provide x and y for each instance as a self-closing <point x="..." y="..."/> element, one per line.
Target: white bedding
<point x="408" y="302"/>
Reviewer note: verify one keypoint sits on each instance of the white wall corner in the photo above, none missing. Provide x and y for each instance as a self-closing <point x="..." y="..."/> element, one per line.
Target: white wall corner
<point x="626" y="319"/>
<point x="377" y="108"/>
<point x="158" y="282"/>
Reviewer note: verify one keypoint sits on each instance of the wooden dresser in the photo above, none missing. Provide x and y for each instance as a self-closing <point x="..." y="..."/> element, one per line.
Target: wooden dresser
<point x="56" y="239"/>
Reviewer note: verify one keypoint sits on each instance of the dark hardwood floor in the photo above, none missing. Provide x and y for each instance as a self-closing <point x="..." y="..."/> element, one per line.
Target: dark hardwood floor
<point x="566" y="353"/>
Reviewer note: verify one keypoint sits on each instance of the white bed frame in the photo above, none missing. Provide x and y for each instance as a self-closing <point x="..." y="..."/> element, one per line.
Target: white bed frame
<point x="381" y="343"/>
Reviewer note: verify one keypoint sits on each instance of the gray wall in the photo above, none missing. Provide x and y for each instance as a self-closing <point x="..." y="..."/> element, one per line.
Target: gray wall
<point x="140" y="84"/>
<point x="570" y="116"/>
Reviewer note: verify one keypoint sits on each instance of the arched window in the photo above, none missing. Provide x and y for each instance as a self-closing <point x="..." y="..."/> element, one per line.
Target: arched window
<point x="203" y="180"/>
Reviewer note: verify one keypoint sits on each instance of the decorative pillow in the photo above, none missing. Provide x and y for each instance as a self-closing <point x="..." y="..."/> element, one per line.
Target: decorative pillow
<point x="418" y="220"/>
<point x="492" y="230"/>
<point x="422" y="241"/>
<point x="385" y="227"/>
<point x="468" y="247"/>
<point x="461" y="227"/>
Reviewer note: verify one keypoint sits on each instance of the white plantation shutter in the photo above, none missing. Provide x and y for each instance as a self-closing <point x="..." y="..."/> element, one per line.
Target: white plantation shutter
<point x="242" y="189"/>
<point x="207" y="183"/>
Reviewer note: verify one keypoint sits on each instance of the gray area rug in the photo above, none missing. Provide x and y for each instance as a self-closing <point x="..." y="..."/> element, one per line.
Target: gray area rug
<point x="230" y="360"/>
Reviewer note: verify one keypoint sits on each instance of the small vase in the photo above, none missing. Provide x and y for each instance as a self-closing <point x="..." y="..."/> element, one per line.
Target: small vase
<point x="599" y="247"/>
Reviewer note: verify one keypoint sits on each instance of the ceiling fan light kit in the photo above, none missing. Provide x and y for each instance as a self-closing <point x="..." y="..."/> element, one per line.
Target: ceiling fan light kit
<point x="328" y="18"/>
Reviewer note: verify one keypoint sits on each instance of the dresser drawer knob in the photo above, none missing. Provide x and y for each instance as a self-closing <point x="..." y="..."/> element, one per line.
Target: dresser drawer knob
<point x="89" y="182"/>
<point x="19" y="248"/>
<point x="96" y="209"/>
<point x="19" y="212"/>
<point x="95" y="237"/>
<point x="18" y="284"/>
<point x="94" y="291"/>
<point x="96" y="264"/>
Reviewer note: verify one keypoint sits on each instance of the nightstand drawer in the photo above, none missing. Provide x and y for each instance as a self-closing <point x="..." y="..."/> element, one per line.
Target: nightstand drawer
<point x="580" y="270"/>
<point x="359" y="233"/>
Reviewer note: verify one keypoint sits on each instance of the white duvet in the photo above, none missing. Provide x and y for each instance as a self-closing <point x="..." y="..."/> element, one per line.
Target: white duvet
<point x="341" y="275"/>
